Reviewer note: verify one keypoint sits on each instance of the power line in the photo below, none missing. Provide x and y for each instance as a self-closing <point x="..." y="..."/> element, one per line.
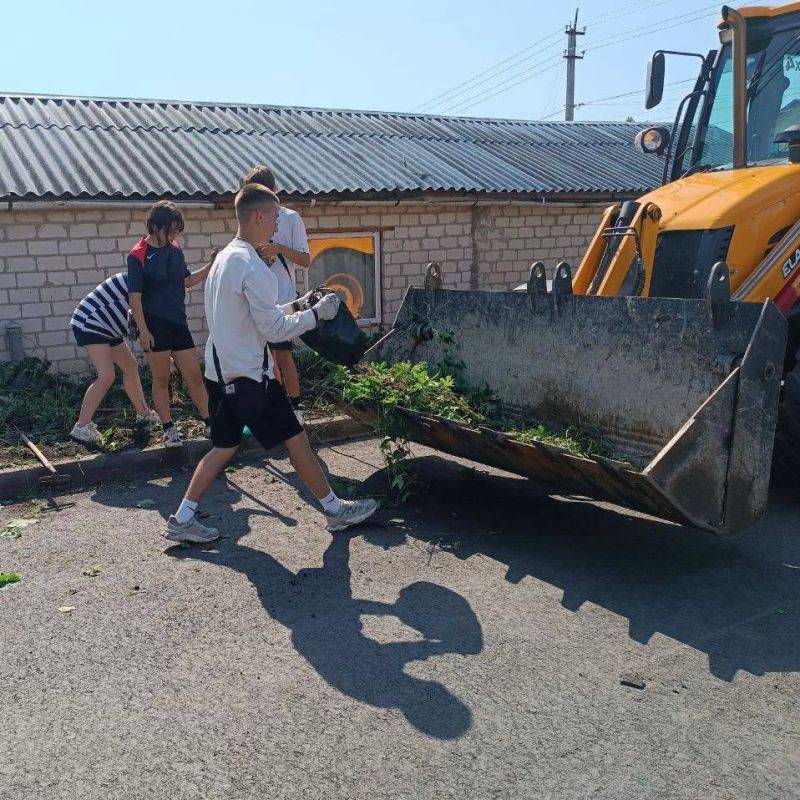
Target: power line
<point x="601" y="100"/>
<point x="630" y="94"/>
<point x="468" y="102"/>
<point x="554" y="87"/>
<point x="619" y="37"/>
<point x="491" y="69"/>
<point x="623" y="11"/>
<point x="616" y="13"/>
<point x="653" y="27"/>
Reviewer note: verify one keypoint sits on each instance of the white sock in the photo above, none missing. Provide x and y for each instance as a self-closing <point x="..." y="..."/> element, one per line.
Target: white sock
<point x="331" y="504"/>
<point x="185" y="511"/>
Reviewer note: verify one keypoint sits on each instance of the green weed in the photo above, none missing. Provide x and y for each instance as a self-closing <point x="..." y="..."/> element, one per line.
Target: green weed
<point x="7" y="578"/>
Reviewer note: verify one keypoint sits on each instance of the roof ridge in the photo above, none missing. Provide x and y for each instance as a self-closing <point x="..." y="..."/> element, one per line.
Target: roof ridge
<point x="451" y="138"/>
<point x="306" y="109"/>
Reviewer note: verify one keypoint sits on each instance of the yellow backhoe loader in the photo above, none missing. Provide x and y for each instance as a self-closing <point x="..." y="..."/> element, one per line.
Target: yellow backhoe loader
<point x="676" y="339"/>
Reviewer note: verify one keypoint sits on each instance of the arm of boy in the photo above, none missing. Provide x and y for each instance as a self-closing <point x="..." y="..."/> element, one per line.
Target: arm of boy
<point x="296" y="251"/>
<point x="260" y="289"/>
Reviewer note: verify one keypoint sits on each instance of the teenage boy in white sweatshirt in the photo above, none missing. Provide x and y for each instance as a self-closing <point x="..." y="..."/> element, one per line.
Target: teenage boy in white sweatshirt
<point x="243" y="315"/>
<point x="286" y="251"/>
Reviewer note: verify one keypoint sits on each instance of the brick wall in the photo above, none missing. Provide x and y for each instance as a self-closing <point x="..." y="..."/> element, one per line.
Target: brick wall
<point x="50" y="259"/>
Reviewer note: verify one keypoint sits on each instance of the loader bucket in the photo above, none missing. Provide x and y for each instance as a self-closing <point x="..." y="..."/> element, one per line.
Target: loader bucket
<point x="685" y="392"/>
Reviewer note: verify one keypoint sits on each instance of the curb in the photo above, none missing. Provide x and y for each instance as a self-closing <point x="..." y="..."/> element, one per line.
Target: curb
<point x="133" y="463"/>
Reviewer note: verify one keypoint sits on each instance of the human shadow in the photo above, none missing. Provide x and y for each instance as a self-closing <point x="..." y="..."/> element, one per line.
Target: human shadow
<point x="737" y="600"/>
<point x="317" y="605"/>
<point x="224" y="494"/>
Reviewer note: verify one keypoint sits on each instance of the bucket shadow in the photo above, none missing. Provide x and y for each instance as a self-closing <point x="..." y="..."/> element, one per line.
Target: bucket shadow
<point x="737" y="600"/>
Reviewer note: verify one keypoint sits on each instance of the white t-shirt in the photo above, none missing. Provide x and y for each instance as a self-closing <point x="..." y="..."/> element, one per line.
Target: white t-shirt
<point x="290" y="232"/>
<point x="241" y="303"/>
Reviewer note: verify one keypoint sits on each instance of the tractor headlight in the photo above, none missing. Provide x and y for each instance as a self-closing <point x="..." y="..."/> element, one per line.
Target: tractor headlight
<point x="652" y="140"/>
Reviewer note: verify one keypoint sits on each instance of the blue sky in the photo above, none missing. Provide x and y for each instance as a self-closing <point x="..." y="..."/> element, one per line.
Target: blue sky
<point x="352" y="53"/>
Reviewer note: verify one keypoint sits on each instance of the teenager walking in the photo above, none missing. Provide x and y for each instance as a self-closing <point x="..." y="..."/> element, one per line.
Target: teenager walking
<point x="243" y="315"/>
<point x="157" y="280"/>
<point x="286" y="251"/>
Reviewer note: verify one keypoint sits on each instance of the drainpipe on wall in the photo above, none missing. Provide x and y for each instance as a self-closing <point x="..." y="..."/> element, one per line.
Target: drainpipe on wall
<point x="14" y="339"/>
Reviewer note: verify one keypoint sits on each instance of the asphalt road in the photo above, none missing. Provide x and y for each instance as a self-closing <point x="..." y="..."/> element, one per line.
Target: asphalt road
<point x="484" y="641"/>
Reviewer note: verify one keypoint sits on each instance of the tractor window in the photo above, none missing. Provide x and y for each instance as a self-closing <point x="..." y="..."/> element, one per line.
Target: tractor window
<point x="718" y="139"/>
<point x="773" y="94"/>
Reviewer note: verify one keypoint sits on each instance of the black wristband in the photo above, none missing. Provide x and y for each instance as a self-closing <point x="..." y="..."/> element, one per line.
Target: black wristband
<point x="316" y="316"/>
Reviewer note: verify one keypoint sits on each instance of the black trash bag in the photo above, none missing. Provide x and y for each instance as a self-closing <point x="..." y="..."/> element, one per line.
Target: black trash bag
<point x="339" y="340"/>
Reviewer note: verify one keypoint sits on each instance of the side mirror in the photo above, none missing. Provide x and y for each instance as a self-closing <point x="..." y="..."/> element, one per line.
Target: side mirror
<point x="655" y="80"/>
<point x="652" y="141"/>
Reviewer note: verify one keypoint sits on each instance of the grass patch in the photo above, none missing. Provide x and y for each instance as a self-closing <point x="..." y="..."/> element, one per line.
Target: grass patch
<point x="45" y="406"/>
<point x="7" y="578"/>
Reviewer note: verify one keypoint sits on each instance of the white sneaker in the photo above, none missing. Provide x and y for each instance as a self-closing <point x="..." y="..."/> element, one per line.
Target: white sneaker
<point x="172" y="437"/>
<point x="351" y="513"/>
<point x="191" y="531"/>
<point x="87" y="434"/>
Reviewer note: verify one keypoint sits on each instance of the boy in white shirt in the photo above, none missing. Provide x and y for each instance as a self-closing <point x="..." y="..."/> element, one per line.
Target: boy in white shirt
<point x="286" y="251"/>
<point x="243" y="315"/>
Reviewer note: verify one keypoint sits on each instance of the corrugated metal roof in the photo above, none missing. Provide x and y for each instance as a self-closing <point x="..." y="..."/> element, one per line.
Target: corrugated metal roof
<point x="63" y="147"/>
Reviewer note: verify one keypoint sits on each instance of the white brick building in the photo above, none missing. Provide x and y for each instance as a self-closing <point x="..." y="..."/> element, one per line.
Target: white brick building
<point x="394" y="193"/>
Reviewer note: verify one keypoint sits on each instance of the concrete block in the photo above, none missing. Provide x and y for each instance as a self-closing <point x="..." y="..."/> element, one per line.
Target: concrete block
<point x="13" y="249"/>
<point x="35" y="309"/>
<point x="51" y="231"/>
<point x="65" y="278"/>
<point x="112" y="229"/>
<point x="20" y="232"/>
<point x="68" y="246"/>
<point x="27" y="279"/>
<point x="108" y="260"/>
<point x="60" y="352"/>
<point x="83" y="230"/>
<point x="103" y="245"/>
<point x="38" y="247"/>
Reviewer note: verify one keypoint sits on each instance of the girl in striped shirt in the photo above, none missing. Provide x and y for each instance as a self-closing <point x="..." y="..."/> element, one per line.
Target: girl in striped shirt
<point x="99" y="324"/>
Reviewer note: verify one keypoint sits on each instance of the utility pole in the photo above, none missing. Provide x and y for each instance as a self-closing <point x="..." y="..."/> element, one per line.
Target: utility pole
<point x="571" y="56"/>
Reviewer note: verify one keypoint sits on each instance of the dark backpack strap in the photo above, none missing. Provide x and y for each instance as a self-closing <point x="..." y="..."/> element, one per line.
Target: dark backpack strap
<point x="285" y="265"/>
<point x="217" y="367"/>
<point x="289" y="274"/>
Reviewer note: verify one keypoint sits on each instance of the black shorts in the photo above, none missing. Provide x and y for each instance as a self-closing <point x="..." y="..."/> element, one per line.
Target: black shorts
<point x="167" y="335"/>
<point x="264" y="408"/>
<point x="83" y="338"/>
<point x="281" y="346"/>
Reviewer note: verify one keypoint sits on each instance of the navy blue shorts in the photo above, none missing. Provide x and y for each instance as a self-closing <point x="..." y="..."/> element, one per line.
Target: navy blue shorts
<point x="83" y="338"/>
<point x="167" y="335"/>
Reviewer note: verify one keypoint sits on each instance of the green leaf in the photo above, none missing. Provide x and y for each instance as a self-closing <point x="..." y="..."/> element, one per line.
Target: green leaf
<point x="145" y="503"/>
